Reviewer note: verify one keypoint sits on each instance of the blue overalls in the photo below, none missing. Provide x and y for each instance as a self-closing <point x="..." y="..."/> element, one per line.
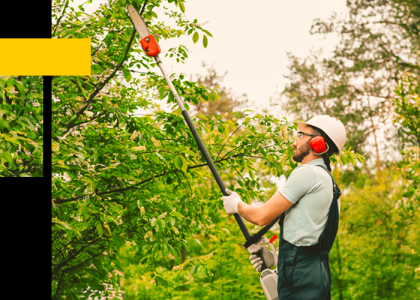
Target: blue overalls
<point x="304" y="271"/>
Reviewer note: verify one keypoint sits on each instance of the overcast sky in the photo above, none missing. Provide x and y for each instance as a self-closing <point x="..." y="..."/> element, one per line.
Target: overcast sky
<point x="250" y="41"/>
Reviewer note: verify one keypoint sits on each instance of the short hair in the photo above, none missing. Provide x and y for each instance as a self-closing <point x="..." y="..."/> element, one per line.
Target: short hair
<point x="332" y="147"/>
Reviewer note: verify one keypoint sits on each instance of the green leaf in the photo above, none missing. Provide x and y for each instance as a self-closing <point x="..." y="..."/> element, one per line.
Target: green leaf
<point x="6" y="156"/>
<point x="189" y="152"/>
<point x="195" y="37"/>
<point x="55" y="146"/>
<point x="178" y="162"/>
<point x="201" y="272"/>
<point x="64" y="224"/>
<point x="228" y="232"/>
<point x="208" y="33"/>
<point x="172" y="221"/>
<point x="205" y="41"/>
<point x="161" y="281"/>
<point x="184" y="164"/>
<point x="226" y="128"/>
<point x="199" y="242"/>
<point x="3" y="123"/>
<point x="351" y="157"/>
<point x="211" y="96"/>
<point x="162" y="92"/>
<point x="193" y="270"/>
<point x="162" y="224"/>
<point x="155" y="248"/>
<point x="88" y="113"/>
<point x="181" y="6"/>
<point x="221" y="128"/>
<point x="99" y="229"/>
<point x="164" y="249"/>
<point x="177" y="214"/>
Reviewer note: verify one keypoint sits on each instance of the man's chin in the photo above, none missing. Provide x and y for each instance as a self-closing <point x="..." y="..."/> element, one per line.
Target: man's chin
<point x="296" y="159"/>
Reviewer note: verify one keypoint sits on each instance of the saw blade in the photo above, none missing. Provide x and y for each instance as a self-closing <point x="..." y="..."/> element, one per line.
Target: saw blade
<point x="138" y="22"/>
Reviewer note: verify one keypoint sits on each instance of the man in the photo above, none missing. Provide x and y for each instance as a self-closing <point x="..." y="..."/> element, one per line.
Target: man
<point x="309" y="202"/>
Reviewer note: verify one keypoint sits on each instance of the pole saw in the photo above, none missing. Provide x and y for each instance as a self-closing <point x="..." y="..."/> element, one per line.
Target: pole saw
<point x="149" y="44"/>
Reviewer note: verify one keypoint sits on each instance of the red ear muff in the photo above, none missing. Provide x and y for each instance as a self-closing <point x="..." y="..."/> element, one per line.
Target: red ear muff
<point x="318" y="145"/>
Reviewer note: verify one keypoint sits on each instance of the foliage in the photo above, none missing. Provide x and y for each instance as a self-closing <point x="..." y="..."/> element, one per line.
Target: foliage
<point x="407" y="108"/>
<point x="218" y="268"/>
<point x="375" y="254"/>
<point x="377" y="41"/>
<point x="376" y="251"/>
<point x="21" y="131"/>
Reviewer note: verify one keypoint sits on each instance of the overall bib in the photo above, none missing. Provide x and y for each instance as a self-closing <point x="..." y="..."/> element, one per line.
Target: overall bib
<point x="304" y="271"/>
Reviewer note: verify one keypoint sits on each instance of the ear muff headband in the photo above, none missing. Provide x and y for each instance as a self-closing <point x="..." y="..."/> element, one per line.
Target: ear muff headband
<point x="318" y="145"/>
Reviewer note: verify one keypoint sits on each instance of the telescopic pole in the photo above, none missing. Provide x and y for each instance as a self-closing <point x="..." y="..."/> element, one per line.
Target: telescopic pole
<point x="201" y="145"/>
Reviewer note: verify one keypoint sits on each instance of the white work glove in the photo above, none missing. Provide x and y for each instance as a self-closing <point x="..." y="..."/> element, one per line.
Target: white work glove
<point x="231" y="202"/>
<point x="270" y="257"/>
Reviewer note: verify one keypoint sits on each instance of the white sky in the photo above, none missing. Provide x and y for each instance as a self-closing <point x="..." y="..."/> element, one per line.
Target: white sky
<point x="250" y="41"/>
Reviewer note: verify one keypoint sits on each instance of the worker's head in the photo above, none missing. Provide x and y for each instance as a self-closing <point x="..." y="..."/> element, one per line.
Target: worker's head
<point x="301" y="144"/>
<point x="331" y="130"/>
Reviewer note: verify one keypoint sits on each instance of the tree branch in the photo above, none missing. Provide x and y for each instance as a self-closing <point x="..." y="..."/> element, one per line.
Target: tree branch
<point x="228" y="141"/>
<point x="58" y="267"/>
<point x="100" y="115"/>
<point x="59" y="19"/>
<point x="105" y="82"/>
<point x="61" y="201"/>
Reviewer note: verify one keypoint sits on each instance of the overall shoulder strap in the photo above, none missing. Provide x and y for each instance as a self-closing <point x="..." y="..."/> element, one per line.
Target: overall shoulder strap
<point x="327" y="237"/>
<point x="336" y="190"/>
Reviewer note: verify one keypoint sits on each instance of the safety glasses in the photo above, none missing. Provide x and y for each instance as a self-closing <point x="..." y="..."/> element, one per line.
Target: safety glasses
<point x="300" y="134"/>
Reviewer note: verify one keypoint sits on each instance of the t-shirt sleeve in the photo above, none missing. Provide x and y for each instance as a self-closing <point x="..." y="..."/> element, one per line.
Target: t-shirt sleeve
<point x="300" y="181"/>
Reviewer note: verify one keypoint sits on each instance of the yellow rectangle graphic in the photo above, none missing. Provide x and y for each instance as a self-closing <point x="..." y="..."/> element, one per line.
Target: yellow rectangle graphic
<point x="45" y="57"/>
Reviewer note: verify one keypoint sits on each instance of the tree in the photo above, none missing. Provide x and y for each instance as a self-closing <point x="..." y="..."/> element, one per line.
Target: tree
<point x="375" y="254"/>
<point x="226" y="103"/>
<point x="356" y="84"/>
<point x="407" y="103"/>
<point x="21" y="129"/>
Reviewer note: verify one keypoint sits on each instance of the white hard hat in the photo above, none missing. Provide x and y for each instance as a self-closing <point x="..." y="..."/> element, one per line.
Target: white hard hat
<point x="331" y="126"/>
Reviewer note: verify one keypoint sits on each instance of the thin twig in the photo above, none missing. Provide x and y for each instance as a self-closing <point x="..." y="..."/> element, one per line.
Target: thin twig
<point x="59" y="19"/>
<point x="228" y="141"/>
<point x="102" y="85"/>
<point x="100" y="115"/>
<point x="237" y="172"/>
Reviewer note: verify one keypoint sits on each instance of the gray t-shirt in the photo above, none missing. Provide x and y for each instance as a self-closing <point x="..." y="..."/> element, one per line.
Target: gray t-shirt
<point x="310" y="190"/>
